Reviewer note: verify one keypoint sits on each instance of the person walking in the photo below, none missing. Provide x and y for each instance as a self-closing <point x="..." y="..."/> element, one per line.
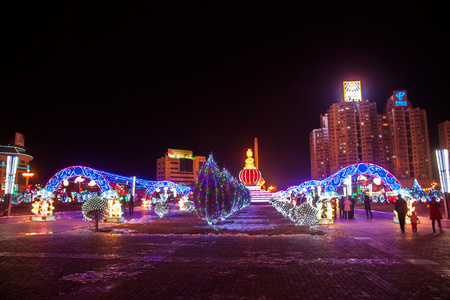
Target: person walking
<point x="347" y="207"/>
<point x="368" y="206"/>
<point x="414" y="221"/>
<point x="131" y="206"/>
<point x="341" y="207"/>
<point x="401" y="208"/>
<point x="435" y="214"/>
<point x="124" y="205"/>
<point x="352" y="208"/>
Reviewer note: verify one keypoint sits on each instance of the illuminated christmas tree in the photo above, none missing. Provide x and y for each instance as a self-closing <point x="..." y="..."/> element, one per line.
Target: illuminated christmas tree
<point x="217" y="194"/>
<point x="208" y="192"/>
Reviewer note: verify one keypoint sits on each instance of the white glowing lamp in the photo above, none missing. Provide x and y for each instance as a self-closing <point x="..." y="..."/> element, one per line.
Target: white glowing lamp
<point x="348" y="180"/>
<point x="92" y="183"/>
<point x="79" y="179"/>
<point x="377" y="180"/>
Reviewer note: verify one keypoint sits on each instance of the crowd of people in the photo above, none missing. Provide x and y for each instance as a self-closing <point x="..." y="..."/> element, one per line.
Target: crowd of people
<point x="402" y="209"/>
<point x="347" y="211"/>
<point x="347" y="204"/>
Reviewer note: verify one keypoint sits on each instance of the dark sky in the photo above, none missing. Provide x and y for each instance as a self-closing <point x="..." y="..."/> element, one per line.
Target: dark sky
<point x="112" y="86"/>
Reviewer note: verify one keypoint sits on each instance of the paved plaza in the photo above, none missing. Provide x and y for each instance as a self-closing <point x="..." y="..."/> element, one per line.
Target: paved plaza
<point x="354" y="259"/>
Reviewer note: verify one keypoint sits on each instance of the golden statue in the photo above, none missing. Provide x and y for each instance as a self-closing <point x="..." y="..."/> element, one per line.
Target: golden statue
<point x="249" y="162"/>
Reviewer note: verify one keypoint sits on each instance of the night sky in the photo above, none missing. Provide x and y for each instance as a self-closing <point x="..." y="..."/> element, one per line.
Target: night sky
<point x="113" y="86"/>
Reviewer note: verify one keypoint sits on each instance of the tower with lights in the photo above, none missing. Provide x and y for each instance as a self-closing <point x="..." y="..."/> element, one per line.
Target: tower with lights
<point x="251" y="177"/>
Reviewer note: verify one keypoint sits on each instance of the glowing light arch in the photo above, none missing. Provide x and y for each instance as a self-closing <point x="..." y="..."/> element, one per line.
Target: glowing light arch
<point x="334" y="181"/>
<point x="306" y="185"/>
<point x="169" y="184"/>
<point x="76" y="171"/>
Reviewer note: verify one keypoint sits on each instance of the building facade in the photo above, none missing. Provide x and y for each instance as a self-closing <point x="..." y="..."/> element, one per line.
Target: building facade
<point x="23" y="166"/>
<point x="350" y="132"/>
<point x="444" y="135"/>
<point x="319" y="149"/>
<point x="179" y="166"/>
<point x="397" y="139"/>
<point x="409" y="142"/>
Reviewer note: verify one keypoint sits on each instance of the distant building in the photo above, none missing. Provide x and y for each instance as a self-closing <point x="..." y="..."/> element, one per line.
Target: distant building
<point x="350" y="131"/>
<point x="444" y="135"/>
<point x="397" y="140"/>
<point x="409" y="142"/>
<point x="23" y="165"/>
<point x="320" y="150"/>
<point x="179" y="166"/>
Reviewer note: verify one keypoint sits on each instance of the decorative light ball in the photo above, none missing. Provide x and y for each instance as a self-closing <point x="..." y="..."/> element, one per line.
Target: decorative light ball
<point x="93" y="206"/>
<point x="250" y="176"/>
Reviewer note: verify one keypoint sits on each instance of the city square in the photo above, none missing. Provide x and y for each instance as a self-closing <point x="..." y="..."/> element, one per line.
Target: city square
<point x="188" y="150"/>
<point x="360" y="258"/>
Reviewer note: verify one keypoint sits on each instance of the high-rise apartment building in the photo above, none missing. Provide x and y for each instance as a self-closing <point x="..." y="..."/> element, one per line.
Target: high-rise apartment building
<point x="396" y="140"/>
<point x="409" y="142"/>
<point x="351" y="133"/>
<point x="179" y="166"/>
<point x="444" y="135"/>
<point x="319" y="149"/>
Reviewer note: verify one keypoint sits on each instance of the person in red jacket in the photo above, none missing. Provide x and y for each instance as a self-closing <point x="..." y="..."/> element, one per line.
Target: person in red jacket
<point x="435" y="214"/>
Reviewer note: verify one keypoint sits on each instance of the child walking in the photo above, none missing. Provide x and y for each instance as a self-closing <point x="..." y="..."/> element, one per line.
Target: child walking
<point x="414" y="220"/>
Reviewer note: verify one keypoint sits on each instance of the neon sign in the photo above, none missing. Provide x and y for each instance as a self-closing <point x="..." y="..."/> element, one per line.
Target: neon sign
<point x="352" y="91"/>
<point x="401" y="98"/>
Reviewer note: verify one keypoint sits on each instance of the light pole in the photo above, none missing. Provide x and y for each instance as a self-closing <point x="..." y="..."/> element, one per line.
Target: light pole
<point x="444" y="174"/>
<point x="10" y="180"/>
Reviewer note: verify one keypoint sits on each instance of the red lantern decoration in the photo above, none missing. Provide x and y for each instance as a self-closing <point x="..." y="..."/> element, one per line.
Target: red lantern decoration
<point x="250" y="176"/>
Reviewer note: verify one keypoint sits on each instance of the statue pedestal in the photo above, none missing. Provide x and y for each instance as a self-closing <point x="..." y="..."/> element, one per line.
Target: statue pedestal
<point x="42" y="218"/>
<point x="115" y="220"/>
<point x="326" y="221"/>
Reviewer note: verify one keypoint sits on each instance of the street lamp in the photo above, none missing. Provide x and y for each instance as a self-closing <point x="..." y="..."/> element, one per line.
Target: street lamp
<point x="444" y="174"/>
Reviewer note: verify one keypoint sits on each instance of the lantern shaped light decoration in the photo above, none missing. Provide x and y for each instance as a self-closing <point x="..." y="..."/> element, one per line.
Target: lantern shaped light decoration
<point x="250" y="175"/>
<point x="43" y="206"/>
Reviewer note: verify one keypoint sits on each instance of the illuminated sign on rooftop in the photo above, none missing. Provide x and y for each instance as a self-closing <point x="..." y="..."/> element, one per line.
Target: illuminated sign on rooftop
<point x="352" y="91"/>
<point x="401" y="98"/>
<point x="176" y="153"/>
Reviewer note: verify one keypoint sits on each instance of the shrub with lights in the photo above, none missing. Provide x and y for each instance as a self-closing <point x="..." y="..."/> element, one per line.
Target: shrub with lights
<point x="95" y="209"/>
<point x="304" y="214"/>
<point x="217" y="194"/>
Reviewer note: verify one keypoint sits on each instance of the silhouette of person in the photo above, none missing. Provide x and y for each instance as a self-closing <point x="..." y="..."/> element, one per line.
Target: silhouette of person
<point x="401" y="208"/>
<point x="347" y="207"/>
<point x="414" y="220"/>
<point x="131" y="206"/>
<point x="435" y="214"/>
<point x="341" y="207"/>
<point x="368" y="205"/>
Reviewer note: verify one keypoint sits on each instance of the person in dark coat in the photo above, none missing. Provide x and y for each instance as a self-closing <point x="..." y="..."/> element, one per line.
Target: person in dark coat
<point x="401" y="208"/>
<point x="341" y="207"/>
<point x="131" y="206"/>
<point x="124" y="205"/>
<point x="368" y="205"/>
<point x="435" y="214"/>
<point x="352" y="208"/>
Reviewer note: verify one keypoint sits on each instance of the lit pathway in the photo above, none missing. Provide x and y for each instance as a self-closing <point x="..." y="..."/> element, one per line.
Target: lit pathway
<point x="374" y="261"/>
